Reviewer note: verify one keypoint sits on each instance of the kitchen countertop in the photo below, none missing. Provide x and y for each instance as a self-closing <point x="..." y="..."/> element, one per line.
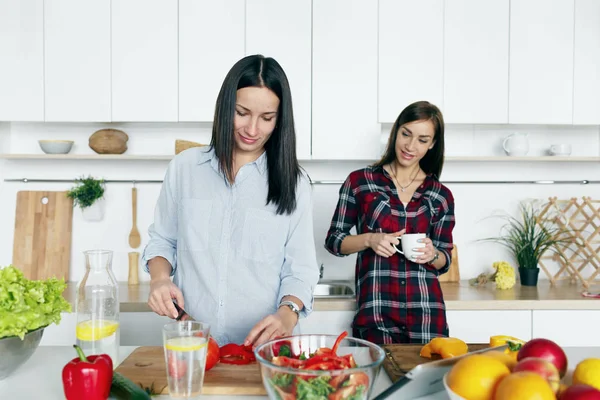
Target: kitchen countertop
<point x="45" y="367"/>
<point x="458" y="296"/>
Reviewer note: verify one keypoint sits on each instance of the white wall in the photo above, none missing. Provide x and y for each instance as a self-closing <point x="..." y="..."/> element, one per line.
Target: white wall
<point x="473" y="202"/>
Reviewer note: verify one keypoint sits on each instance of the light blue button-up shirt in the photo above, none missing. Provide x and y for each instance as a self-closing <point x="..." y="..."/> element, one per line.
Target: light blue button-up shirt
<point x="233" y="257"/>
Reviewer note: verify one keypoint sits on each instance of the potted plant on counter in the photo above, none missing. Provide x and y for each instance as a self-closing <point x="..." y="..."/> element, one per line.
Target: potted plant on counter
<point x="528" y="238"/>
<point x="89" y="196"/>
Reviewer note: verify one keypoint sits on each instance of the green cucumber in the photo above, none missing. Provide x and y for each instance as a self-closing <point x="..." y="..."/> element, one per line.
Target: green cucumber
<point x="123" y="388"/>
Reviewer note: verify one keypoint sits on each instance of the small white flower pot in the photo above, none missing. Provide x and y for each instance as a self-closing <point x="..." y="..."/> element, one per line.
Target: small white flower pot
<point x="95" y="212"/>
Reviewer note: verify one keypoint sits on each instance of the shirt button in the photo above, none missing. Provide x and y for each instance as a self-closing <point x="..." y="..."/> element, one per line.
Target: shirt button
<point x="403" y="282"/>
<point x="403" y="328"/>
<point x="221" y="303"/>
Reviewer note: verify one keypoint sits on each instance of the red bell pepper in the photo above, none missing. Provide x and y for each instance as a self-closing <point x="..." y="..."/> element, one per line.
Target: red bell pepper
<point x="87" y="378"/>
<point x="236" y="354"/>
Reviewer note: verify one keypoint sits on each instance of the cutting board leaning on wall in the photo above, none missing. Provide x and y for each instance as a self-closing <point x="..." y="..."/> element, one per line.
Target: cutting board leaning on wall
<point x="42" y="242"/>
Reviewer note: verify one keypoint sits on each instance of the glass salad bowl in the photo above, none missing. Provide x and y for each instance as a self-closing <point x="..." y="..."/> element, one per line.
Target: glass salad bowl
<point x="319" y="366"/>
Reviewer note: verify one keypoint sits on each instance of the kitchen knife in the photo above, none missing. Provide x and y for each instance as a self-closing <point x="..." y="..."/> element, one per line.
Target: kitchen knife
<point x="182" y="314"/>
<point x="426" y="378"/>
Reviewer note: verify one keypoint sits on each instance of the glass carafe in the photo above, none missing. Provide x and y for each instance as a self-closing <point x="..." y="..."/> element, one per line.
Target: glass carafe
<point x="97" y="308"/>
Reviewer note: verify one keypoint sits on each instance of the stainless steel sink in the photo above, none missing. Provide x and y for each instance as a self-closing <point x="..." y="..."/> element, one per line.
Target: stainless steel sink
<point x="333" y="290"/>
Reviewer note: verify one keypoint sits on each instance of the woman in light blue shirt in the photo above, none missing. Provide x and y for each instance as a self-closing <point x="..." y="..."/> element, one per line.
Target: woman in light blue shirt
<point x="233" y="222"/>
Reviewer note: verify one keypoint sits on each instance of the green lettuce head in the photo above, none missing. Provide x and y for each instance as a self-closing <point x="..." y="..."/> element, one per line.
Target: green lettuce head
<point x="26" y="305"/>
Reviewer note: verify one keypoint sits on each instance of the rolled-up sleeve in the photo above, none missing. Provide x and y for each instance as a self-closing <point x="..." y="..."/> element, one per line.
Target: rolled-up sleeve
<point x="344" y="219"/>
<point x="300" y="272"/>
<point x="163" y="231"/>
<point x="441" y="232"/>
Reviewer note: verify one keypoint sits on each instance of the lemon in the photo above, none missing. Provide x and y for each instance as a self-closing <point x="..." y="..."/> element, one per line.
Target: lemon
<point x="186" y="343"/>
<point x="95" y="329"/>
<point x="588" y="372"/>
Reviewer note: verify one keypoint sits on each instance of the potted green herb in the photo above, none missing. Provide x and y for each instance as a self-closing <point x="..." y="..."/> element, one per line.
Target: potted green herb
<point x="89" y="196"/>
<point x="528" y="238"/>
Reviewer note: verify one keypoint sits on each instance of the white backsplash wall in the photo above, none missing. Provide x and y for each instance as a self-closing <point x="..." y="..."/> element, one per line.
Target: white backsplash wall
<point x="474" y="202"/>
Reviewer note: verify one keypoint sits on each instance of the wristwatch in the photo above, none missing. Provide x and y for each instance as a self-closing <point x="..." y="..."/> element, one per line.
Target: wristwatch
<point x="435" y="257"/>
<point x="293" y="306"/>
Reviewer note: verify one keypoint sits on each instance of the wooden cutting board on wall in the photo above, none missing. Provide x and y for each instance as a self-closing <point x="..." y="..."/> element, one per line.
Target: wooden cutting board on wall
<point x="42" y="242"/>
<point x="146" y="366"/>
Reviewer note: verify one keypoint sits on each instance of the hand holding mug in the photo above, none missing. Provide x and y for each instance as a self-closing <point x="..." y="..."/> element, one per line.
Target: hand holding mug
<point x="383" y="244"/>
<point x="427" y="252"/>
<point x="416" y="247"/>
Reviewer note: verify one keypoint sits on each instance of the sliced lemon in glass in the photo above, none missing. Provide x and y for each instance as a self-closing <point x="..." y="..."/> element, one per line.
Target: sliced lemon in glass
<point x="186" y="343"/>
<point x="95" y="329"/>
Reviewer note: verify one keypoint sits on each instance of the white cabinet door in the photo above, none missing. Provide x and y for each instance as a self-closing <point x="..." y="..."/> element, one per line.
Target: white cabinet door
<point x="77" y="60"/>
<point x="586" y="91"/>
<point x="478" y="326"/>
<point x="144" y="60"/>
<point x="282" y="30"/>
<point x="411" y="55"/>
<point x="476" y="61"/>
<point x="326" y="323"/>
<point x="211" y="40"/>
<point x="570" y="328"/>
<point x="344" y="108"/>
<point x="541" y="62"/>
<point x="21" y="60"/>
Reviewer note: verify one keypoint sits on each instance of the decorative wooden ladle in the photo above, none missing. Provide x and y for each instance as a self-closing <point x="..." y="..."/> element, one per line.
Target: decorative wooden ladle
<point x="134" y="236"/>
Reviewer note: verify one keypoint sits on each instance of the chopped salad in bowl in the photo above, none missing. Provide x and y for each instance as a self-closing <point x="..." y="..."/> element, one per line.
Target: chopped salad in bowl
<point x="319" y="367"/>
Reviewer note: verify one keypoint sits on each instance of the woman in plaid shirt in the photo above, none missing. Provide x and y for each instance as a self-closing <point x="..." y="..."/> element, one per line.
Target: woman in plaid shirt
<point x="399" y="300"/>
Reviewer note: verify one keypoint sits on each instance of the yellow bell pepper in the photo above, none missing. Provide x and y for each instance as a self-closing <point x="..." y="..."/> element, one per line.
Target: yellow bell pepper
<point x="445" y="347"/>
<point x="500" y="340"/>
<point x="514" y="344"/>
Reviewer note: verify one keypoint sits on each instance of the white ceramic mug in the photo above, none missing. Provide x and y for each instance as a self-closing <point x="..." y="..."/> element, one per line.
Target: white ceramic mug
<point x="563" y="149"/>
<point x="410" y="242"/>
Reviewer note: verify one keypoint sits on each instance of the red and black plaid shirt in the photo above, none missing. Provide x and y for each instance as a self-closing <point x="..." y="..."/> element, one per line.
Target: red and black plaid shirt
<point x="400" y="299"/>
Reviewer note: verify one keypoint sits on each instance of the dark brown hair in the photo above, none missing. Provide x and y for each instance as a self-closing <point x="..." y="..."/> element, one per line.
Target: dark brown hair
<point x="433" y="161"/>
<point x="283" y="166"/>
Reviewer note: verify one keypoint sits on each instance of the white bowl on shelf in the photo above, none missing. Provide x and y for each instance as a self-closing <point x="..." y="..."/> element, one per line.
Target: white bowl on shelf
<point x="451" y="394"/>
<point x="56" y="146"/>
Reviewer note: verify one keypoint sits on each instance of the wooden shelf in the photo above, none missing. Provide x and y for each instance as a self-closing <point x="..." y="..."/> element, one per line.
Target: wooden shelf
<point x="526" y="158"/>
<point x="167" y="157"/>
<point x="84" y="157"/>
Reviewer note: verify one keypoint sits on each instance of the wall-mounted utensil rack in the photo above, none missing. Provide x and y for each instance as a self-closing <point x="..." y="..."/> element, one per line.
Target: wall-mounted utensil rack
<point x="333" y="182"/>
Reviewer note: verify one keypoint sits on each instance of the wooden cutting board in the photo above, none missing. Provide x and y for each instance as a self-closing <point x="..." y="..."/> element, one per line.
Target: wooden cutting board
<point x="42" y="242"/>
<point x="453" y="274"/>
<point x="146" y="366"/>
<point x="407" y="357"/>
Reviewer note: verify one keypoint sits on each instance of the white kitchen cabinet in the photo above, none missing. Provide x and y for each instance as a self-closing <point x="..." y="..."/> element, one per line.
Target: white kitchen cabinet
<point x="21" y="60"/>
<point x="77" y="60"/>
<point x="211" y="40"/>
<point x="144" y="60"/>
<point x="541" y="62"/>
<point x="326" y="323"/>
<point x="586" y="90"/>
<point x="568" y="327"/>
<point x="476" y="326"/>
<point x="411" y="55"/>
<point x="475" y="61"/>
<point x="344" y="108"/>
<point x="282" y="30"/>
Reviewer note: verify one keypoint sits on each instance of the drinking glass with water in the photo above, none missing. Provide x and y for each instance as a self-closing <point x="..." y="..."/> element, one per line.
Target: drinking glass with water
<point x="185" y="345"/>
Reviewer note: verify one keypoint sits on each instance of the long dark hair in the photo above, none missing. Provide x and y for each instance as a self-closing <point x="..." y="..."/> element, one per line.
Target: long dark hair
<point x="433" y="161"/>
<point x="283" y="167"/>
